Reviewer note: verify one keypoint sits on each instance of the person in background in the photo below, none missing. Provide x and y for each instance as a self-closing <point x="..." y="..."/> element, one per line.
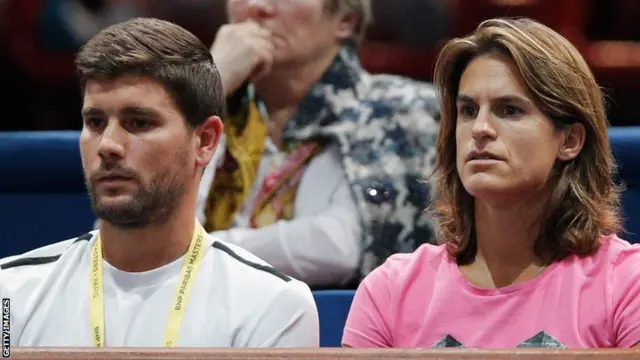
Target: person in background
<point x="321" y="167"/>
<point x="526" y="205"/>
<point x="151" y="276"/>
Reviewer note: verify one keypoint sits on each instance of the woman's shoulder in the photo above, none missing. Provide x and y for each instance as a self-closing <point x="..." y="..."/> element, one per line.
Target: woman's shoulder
<point x="620" y="254"/>
<point x="614" y="257"/>
<point x="617" y="244"/>
<point x="614" y="249"/>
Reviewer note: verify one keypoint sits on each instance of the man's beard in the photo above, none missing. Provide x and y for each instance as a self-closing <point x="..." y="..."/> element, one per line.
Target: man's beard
<point x="151" y="204"/>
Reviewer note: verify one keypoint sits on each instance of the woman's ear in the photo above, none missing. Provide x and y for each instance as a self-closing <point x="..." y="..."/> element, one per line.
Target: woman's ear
<point x="573" y="140"/>
<point x="347" y="25"/>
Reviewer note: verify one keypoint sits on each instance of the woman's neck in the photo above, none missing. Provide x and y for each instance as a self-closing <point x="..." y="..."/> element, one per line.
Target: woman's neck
<point x="288" y="84"/>
<point x="505" y="237"/>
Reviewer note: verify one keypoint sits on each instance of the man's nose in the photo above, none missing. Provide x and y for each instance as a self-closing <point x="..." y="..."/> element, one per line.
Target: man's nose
<point x="111" y="144"/>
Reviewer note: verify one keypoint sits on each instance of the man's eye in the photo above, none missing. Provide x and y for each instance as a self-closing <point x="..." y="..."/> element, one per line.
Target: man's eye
<point x="94" y="122"/>
<point x="140" y="124"/>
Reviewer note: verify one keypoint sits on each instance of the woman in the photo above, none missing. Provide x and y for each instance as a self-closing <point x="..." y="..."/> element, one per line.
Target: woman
<point x="320" y="172"/>
<point x="527" y="210"/>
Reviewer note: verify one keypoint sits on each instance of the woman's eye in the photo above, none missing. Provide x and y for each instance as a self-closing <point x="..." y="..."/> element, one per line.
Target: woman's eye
<point x="511" y="111"/>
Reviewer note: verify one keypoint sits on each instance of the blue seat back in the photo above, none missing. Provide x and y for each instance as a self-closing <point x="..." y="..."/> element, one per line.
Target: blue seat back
<point x="625" y="143"/>
<point x="333" y="308"/>
<point x="42" y="193"/>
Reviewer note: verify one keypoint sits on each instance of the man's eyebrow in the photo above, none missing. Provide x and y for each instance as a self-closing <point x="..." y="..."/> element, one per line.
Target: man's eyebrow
<point x="92" y="111"/>
<point x="139" y="111"/>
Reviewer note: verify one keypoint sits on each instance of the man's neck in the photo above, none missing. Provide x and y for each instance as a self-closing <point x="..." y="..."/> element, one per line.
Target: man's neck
<point x="506" y="236"/>
<point x="137" y="250"/>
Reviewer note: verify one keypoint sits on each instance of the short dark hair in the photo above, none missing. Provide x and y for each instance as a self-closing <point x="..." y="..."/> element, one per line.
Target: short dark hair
<point x="162" y="51"/>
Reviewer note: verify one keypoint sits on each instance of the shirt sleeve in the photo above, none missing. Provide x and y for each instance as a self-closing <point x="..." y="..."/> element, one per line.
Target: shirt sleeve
<point x="369" y="322"/>
<point x="289" y="320"/>
<point x="625" y="286"/>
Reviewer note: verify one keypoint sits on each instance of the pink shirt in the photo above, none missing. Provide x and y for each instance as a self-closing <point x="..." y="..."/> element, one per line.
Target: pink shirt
<point x="421" y="300"/>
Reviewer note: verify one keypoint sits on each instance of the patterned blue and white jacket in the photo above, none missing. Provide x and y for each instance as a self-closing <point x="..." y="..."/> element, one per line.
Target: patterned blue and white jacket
<point x="386" y="127"/>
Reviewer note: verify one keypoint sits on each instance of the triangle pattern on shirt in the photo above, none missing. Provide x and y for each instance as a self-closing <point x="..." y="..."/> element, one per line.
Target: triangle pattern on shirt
<point x="539" y="340"/>
<point x="542" y="340"/>
<point x="448" y="342"/>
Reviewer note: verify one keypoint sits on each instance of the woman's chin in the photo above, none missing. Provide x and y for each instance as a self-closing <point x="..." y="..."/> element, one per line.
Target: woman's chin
<point x="487" y="188"/>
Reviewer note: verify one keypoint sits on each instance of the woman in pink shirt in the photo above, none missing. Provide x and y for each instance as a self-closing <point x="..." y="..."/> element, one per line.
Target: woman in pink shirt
<point x="527" y="211"/>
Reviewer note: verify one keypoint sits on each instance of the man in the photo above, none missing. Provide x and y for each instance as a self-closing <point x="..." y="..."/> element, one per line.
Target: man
<point x="151" y="276"/>
<point x="322" y="167"/>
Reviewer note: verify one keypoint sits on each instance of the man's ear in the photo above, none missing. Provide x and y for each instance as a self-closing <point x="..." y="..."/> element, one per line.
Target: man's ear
<point x="573" y="140"/>
<point x="208" y="136"/>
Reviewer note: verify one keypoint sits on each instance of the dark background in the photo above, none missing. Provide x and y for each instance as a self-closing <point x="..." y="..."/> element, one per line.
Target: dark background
<point x="36" y="52"/>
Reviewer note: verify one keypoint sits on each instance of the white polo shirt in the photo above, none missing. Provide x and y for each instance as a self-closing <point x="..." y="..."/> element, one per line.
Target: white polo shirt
<point x="237" y="300"/>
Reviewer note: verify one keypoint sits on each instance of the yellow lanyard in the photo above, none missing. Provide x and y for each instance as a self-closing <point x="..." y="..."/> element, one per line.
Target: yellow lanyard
<point x="187" y="275"/>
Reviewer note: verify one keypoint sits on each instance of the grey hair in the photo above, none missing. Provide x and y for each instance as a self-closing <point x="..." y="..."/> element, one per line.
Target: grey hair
<point x="362" y="8"/>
